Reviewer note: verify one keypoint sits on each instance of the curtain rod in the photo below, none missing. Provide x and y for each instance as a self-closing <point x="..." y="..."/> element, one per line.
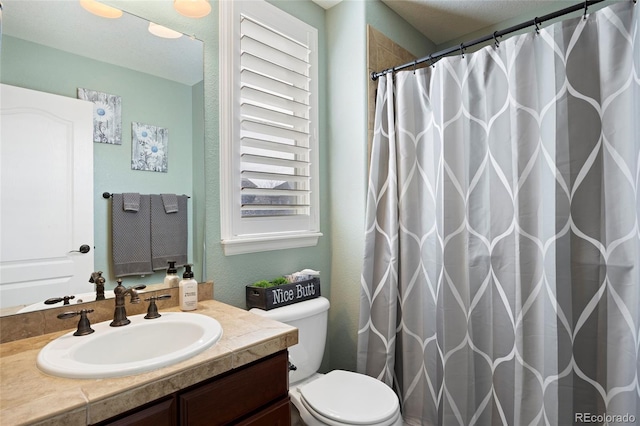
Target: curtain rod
<point x="460" y="48"/>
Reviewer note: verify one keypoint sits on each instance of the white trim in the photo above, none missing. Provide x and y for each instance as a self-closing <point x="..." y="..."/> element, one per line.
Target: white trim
<point x="253" y="244"/>
<point x="226" y="125"/>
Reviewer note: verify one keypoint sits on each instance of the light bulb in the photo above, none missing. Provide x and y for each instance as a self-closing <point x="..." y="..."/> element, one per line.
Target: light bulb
<point x="164" y="32"/>
<point x="192" y="8"/>
<point x="101" y="9"/>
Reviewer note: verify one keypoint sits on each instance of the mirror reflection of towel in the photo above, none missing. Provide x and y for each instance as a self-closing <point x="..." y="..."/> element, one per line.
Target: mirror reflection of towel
<point x="170" y="202"/>
<point x="131" y="235"/>
<point x="169" y="231"/>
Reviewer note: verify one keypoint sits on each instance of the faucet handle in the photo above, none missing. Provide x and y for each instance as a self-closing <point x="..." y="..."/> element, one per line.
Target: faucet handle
<point x="152" y="311"/>
<point x="135" y="298"/>
<point x="55" y="300"/>
<point x="96" y="276"/>
<point x="84" y="327"/>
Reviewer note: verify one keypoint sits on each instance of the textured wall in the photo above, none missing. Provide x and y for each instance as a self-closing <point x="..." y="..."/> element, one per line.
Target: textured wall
<point x="382" y="53"/>
<point x="347" y="139"/>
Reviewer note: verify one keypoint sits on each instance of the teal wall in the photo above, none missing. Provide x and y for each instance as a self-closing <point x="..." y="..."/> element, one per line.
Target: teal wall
<point x="347" y="156"/>
<point x="347" y="93"/>
<point x="231" y="273"/>
<point x="146" y="99"/>
<point x="385" y="20"/>
<point x="199" y="187"/>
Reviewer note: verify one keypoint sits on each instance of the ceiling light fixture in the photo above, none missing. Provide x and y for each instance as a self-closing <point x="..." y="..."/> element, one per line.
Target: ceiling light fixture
<point x="101" y="9"/>
<point x="192" y="8"/>
<point x="164" y="32"/>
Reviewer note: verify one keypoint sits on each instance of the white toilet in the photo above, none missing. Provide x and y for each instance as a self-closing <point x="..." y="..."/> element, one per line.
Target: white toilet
<point x="338" y="398"/>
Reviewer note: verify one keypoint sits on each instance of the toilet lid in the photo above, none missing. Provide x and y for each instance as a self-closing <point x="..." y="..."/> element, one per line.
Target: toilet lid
<point x="352" y="398"/>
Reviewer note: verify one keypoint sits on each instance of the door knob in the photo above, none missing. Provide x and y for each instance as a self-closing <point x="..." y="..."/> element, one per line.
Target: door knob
<point x="83" y="249"/>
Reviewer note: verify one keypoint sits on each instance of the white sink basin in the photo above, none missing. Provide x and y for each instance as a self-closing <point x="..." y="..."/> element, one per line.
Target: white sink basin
<point x="141" y="346"/>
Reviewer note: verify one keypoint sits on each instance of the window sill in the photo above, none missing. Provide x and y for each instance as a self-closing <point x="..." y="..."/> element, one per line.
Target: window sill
<point x="244" y="245"/>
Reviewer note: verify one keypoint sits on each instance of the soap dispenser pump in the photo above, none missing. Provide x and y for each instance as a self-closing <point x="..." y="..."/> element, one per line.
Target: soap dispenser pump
<point x="188" y="290"/>
<point x="172" y="279"/>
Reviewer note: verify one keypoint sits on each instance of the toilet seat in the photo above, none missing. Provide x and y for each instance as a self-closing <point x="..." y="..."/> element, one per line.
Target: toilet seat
<point x="347" y="398"/>
<point x="320" y="420"/>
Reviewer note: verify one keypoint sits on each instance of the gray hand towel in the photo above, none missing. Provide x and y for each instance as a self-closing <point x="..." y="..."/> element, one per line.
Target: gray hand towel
<point x="131" y="238"/>
<point x="131" y="201"/>
<point x="169" y="233"/>
<point x="170" y="202"/>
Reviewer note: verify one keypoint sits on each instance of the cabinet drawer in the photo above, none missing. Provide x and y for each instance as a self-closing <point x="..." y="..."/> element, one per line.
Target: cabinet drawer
<point x="161" y="413"/>
<point x="243" y="391"/>
<point x="279" y="414"/>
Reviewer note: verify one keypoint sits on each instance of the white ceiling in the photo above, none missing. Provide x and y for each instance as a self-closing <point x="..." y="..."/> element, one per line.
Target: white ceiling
<point x="445" y="20"/>
<point x="125" y="41"/>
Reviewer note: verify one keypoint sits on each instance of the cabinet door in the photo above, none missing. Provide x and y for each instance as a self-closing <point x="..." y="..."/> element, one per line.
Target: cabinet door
<point x="238" y="394"/>
<point x="159" y="414"/>
<point x="279" y="414"/>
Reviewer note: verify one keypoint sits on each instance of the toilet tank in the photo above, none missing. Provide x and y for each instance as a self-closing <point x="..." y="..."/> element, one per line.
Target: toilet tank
<point x="310" y="318"/>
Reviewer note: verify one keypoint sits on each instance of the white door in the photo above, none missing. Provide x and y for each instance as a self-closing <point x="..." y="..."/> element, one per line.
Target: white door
<point x="46" y="195"/>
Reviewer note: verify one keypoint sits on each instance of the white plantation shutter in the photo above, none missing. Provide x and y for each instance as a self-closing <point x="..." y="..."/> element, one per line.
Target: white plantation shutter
<point x="274" y="116"/>
<point x="269" y="176"/>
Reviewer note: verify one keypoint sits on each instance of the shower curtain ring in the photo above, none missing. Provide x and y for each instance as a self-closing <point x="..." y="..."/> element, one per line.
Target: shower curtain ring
<point x="586" y="6"/>
<point x="431" y="62"/>
<point x="462" y="50"/>
<point x="537" y="25"/>
<point x="415" y="63"/>
<point x="495" y="39"/>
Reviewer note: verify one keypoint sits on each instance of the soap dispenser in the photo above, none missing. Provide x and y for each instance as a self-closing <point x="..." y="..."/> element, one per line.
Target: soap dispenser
<point x="172" y="279"/>
<point x="188" y="290"/>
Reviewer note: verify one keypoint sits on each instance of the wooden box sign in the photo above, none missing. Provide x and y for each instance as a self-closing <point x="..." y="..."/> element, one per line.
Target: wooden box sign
<point x="282" y="295"/>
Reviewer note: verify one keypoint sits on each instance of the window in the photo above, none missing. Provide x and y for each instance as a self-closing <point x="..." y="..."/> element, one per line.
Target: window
<point x="268" y="129"/>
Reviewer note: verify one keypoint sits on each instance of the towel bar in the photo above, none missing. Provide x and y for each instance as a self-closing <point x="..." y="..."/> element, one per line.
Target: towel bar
<point x="107" y="195"/>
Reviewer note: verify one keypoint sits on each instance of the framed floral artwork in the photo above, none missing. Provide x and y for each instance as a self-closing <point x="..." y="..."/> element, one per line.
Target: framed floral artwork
<point x="149" y="147"/>
<point x="107" y="116"/>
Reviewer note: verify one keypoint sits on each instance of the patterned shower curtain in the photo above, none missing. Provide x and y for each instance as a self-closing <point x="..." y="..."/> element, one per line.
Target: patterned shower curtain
<point x="501" y="276"/>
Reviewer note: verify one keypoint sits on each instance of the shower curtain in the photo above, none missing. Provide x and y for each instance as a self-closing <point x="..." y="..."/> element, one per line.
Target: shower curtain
<point x="501" y="275"/>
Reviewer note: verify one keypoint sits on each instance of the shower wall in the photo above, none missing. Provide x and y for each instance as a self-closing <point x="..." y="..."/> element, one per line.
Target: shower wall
<point x="382" y="53"/>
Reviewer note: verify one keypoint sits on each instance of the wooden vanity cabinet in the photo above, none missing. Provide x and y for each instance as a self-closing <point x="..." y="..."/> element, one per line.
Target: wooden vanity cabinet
<point x="244" y="392"/>
<point x="158" y="413"/>
<point x="256" y="394"/>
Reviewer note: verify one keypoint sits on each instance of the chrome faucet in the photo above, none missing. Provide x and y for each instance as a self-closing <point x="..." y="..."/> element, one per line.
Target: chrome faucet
<point x="120" y="313"/>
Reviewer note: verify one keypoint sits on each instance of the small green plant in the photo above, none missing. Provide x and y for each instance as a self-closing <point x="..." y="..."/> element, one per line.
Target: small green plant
<point x="280" y="281"/>
<point x="273" y="283"/>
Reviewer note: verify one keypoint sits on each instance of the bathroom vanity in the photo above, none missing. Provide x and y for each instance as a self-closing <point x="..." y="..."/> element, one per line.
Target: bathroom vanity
<point x="256" y="394"/>
<point x="242" y="379"/>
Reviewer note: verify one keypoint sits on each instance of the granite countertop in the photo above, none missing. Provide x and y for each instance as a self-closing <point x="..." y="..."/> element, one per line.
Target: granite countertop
<point x="28" y="396"/>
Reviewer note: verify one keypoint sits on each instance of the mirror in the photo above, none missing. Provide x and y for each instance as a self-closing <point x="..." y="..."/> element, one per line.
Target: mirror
<point x="56" y="47"/>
